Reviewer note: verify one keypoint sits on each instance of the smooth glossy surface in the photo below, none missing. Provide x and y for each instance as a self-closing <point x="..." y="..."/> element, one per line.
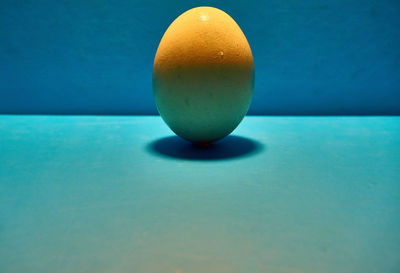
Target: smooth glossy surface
<point x="203" y="75"/>
<point x="123" y="194"/>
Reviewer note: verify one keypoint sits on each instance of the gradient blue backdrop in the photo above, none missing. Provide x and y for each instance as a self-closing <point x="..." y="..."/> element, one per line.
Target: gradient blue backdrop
<point x="96" y="56"/>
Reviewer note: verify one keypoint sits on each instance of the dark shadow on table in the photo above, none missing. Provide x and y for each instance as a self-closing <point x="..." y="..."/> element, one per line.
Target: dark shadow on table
<point x="227" y="148"/>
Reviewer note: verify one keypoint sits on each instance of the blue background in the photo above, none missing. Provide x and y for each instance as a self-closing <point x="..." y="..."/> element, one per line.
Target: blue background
<point x="95" y="57"/>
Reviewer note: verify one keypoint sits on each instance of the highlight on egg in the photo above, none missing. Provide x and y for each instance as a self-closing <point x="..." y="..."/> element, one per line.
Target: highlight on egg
<point x="203" y="75"/>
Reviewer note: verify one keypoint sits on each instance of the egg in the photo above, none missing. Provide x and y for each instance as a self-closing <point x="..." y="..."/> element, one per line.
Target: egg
<point x="203" y="75"/>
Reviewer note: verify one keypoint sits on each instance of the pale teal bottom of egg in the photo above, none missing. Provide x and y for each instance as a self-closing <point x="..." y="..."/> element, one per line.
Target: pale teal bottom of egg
<point x="203" y="104"/>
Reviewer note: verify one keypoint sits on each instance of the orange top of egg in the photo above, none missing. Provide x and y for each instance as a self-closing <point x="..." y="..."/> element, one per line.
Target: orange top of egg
<point x="203" y="36"/>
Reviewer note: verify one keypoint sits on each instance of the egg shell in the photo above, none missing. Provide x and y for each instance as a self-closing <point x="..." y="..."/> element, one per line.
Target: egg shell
<point x="203" y="75"/>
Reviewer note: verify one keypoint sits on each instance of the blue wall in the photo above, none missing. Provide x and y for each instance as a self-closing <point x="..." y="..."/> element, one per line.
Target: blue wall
<point x="96" y="56"/>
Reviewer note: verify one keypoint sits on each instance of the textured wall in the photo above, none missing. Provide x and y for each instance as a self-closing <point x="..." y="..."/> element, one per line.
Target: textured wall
<point x="96" y="56"/>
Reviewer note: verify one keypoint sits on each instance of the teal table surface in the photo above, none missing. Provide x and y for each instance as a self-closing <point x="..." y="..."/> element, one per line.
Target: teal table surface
<point x="123" y="194"/>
